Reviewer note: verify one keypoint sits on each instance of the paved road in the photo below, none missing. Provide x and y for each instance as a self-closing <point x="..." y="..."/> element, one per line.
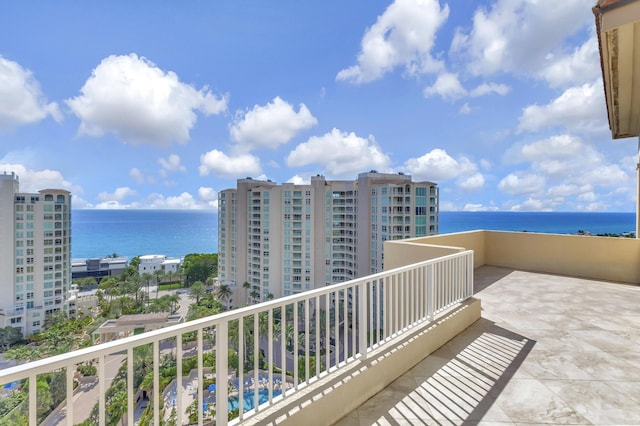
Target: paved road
<point x="87" y="396"/>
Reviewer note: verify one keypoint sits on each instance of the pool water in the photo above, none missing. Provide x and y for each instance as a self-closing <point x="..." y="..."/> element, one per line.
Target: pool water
<point x="248" y="398"/>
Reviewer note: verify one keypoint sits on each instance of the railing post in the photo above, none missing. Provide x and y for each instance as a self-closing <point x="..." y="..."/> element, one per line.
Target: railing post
<point x="156" y="382"/>
<point x="69" y="401"/>
<point x="222" y="355"/>
<point x="364" y="317"/>
<point x="102" y="389"/>
<point x="33" y="402"/>
<point x="130" y="380"/>
<point x="470" y="275"/>
<point x="430" y="281"/>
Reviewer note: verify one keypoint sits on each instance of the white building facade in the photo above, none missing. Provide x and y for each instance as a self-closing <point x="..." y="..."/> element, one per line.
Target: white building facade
<point x="285" y="239"/>
<point x="35" y="254"/>
<point x="150" y="263"/>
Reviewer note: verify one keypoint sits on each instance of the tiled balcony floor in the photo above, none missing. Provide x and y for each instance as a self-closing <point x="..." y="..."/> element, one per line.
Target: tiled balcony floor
<point x="548" y="350"/>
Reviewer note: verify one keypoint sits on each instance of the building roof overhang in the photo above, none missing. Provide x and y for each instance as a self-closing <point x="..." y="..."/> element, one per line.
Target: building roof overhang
<point x="618" y="28"/>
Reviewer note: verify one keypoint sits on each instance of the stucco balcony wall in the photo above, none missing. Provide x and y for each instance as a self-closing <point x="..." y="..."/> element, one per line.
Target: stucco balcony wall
<point x="603" y="258"/>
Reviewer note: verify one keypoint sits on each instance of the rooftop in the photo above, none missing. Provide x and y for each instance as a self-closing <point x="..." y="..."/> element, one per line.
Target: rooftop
<point x="549" y="349"/>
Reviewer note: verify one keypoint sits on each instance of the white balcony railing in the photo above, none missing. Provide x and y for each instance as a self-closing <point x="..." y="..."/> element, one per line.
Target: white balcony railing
<point x="303" y="337"/>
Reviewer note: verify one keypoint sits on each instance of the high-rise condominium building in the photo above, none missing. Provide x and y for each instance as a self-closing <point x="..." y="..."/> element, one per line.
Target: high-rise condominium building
<point x="276" y="240"/>
<point x="35" y="254"/>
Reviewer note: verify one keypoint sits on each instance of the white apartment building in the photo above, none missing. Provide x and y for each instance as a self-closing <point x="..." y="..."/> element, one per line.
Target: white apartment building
<point x="35" y="254"/>
<point x="285" y="239"/>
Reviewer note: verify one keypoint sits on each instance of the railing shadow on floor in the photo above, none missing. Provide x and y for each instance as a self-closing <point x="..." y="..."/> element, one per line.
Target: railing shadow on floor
<point x="457" y="384"/>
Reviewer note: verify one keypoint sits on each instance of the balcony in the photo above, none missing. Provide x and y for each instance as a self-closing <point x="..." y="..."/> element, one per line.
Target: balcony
<point x="557" y="343"/>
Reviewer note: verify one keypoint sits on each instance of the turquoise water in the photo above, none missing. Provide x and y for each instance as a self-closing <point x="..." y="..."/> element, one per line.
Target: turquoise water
<point x="175" y="233"/>
<point x="248" y="398"/>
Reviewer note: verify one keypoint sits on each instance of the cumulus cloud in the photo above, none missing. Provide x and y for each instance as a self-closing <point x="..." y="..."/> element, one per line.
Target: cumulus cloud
<point x="472" y="183"/>
<point x="209" y="196"/>
<point x="183" y="201"/>
<point x="403" y="36"/>
<point x="299" y="180"/>
<point x="489" y="88"/>
<point x="519" y="36"/>
<point x="465" y="109"/>
<point x="520" y="183"/>
<point x="140" y="103"/>
<point x="172" y="164"/>
<point x="580" y="109"/>
<point x="21" y="100"/>
<point x="118" y="195"/>
<point x="437" y="166"/>
<point x="580" y="66"/>
<point x="235" y="166"/>
<point x="573" y="172"/>
<point x="34" y="180"/>
<point x="471" y="207"/>
<point x="532" y="204"/>
<point x="270" y="125"/>
<point x="447" y="86"/>
<point x="341" y="154"/>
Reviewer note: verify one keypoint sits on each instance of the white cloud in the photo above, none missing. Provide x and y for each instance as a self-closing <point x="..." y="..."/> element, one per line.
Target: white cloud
<point x="207" y="194"/>
<point x="118" y="195"/>
<point x="137" y="175"/>
<point x="471" y="207"/>
<point x="574" y="172"/>
<point x="489" y="88"/>
<point x="532" y="204"/>
<point x="134" y="99"/>
<point x="34" y="180"/>
<point x="299" y="180"/>
<point x="446" y="86"/>
<point x="580" y="109"/>
<point x="472" y="183"/>
<point x="519" y="183"/>
<point x="341" y="154"/>
<point x="581" y="66"/>
<point x="465" y="109"/>
<point x="221" y="164"/>
<point x="403" y="36"/>
<point x="172" y="164"/>
<point x="183" y="201"/>
<point x="21" y="100"/>
<point x="519" y="35"/>
<point x="271" y="125"/>
<point x="437" y="166"/>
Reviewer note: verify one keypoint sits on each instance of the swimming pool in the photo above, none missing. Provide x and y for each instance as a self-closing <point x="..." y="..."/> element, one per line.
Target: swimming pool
<point x="248" y="398"/>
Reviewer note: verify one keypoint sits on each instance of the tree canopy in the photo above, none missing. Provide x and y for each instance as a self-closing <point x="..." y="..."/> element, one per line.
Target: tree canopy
<point x="199" y="267"/>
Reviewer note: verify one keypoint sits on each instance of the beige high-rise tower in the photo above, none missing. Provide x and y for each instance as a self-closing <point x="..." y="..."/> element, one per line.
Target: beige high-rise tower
<point x="285" y="239"/>
<point x="35" y="254"/>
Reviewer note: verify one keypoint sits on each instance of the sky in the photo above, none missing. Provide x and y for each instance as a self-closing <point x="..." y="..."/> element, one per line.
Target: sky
<point x="162" y="104"/>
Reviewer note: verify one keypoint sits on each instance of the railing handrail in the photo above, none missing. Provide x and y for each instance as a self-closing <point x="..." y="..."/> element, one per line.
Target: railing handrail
<point x="58" y="361"/>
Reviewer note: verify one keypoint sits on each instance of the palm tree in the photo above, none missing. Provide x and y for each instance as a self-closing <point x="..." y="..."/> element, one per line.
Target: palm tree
<point x="223" y="292"/>
<point x="255" y="294"/>
<point x="246" y="285"/>
<point x="146" y="277"/>
<point x="196" y="291"/>
<point x="175" y="302"/>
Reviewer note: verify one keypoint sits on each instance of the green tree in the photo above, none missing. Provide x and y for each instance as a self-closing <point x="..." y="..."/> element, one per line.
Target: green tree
<point x="197" y="291"/>
<point x="9" y="336"/>
<point x="246" y="285"/>
<point x="199" y="267"/>
<point x="223" y="292"/>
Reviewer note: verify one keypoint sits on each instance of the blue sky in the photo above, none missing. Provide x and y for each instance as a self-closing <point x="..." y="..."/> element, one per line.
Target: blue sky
<point x="163" y="104"/>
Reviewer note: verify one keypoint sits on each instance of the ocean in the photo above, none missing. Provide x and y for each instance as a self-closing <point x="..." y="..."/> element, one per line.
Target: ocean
<point x="175" y="233"/>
